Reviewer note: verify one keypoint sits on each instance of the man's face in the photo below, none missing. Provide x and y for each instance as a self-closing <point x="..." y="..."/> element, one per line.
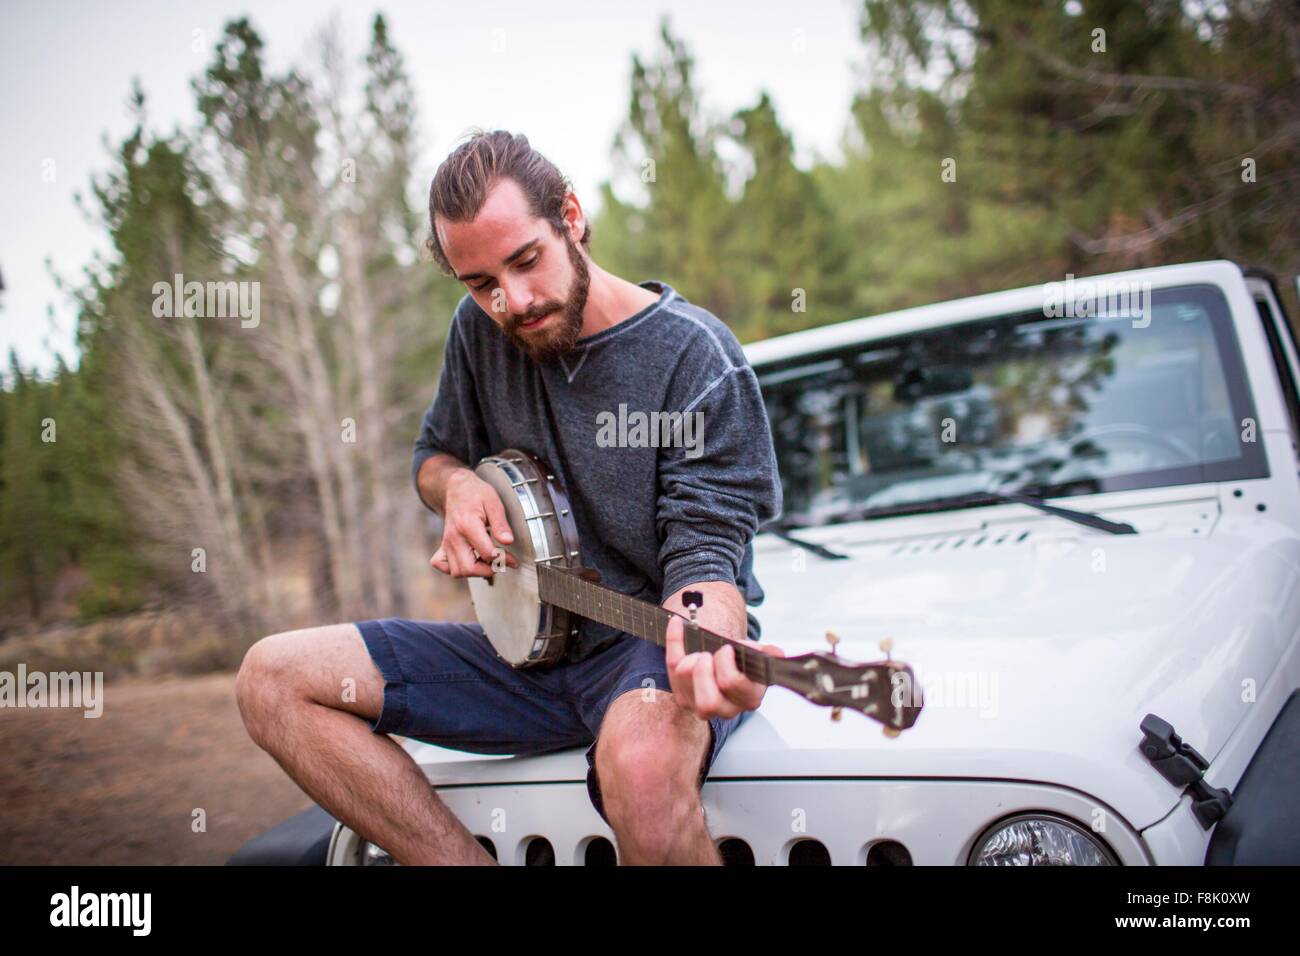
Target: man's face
<point x="532" y="282"/>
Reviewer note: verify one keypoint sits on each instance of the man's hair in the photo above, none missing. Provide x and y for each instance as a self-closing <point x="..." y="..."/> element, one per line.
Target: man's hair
<point x="461" y="184"/>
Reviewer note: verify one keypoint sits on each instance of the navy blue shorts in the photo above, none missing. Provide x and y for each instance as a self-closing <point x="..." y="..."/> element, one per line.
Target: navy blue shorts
<point x="445" y="685"/>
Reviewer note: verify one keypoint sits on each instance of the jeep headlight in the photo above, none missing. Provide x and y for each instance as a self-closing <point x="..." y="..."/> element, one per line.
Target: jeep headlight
<point x="1039" y="840"/>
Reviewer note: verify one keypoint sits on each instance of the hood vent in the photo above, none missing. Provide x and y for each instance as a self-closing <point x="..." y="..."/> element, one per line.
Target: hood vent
<point x="981" y="539"/>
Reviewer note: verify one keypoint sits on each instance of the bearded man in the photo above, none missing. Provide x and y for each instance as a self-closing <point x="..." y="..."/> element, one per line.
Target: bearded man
<point x="543" y="347"/>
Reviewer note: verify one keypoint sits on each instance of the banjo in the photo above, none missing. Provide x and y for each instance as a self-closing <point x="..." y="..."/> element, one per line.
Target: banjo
<point x="532" y="612"/>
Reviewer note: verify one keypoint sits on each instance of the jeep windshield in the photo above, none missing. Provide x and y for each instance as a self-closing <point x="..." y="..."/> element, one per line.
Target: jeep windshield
<point x="1043" y="405"/>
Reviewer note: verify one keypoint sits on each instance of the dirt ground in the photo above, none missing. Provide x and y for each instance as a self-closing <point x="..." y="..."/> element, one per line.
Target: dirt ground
<point x="123" y="787"/>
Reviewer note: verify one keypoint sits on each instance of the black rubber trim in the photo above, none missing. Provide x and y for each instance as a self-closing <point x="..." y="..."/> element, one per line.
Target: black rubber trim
<point x="1263" y="826"/>
<point x="302" y="840"/>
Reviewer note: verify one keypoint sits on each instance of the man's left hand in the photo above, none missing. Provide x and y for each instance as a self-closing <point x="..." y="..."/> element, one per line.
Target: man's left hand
<point x="709" y="683"/>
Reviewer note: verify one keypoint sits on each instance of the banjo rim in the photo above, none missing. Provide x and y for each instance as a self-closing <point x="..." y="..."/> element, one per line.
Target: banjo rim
<point x="545" y="508"/>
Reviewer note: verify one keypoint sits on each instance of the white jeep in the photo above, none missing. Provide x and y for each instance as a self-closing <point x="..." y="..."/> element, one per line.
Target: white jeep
<point x="1110" y="682"/>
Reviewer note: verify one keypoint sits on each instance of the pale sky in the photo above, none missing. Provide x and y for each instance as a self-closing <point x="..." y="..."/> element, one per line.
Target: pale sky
<point x="558" y="72"/>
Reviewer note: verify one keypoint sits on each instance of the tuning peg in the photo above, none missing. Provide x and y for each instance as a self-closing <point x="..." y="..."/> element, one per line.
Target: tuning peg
<point x="693" y="601"/>
<point x="891" y="732"/>
<point x="832" y="639"/>
<point x="837" y="713"/>
<point x="887" y="645"/>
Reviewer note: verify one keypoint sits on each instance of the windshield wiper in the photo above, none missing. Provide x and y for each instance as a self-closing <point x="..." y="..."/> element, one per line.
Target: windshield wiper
<point x="1086" y="518"/>
<point x="822" y="552"/>
<point x="955" y="502"/>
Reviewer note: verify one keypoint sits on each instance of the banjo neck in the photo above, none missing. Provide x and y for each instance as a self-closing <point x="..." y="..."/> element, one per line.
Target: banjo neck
<point x="567" y="589"/>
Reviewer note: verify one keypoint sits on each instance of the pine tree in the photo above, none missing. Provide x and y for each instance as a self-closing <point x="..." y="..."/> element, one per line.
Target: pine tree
<point x="789" y="257"/>
<point x="678" y="226"/>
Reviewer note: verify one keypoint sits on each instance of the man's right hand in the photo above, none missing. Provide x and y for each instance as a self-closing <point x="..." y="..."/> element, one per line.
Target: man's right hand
<point x="471" y="510"/>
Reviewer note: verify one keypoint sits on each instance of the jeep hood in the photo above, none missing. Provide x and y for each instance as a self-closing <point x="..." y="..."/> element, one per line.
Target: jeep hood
<point x="1040" y="648"/>
<point x="1040" y="645"/>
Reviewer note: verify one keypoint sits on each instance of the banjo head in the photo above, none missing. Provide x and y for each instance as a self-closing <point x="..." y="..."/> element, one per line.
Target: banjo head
<point x="524" y="631"/>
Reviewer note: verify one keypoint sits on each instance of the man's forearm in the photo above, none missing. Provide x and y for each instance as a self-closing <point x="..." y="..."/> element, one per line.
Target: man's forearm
<point x="431" y="481"/>
<point x="723" y="611"/>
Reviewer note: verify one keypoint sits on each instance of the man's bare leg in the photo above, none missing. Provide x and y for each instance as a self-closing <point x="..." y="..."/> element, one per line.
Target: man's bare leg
<point x="649" y="753"/>
<point x="294" y="693"/>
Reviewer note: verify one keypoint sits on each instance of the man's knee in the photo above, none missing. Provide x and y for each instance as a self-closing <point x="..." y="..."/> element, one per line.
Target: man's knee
<point x="322" y="665"/>
<point x="649" y="756"/>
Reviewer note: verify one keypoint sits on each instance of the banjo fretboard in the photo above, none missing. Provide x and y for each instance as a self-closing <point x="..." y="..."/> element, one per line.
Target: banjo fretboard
<point x="649" y="622"/>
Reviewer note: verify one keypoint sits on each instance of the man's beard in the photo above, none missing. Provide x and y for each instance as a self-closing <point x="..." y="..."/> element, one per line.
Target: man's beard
<point x="564" y="329"/>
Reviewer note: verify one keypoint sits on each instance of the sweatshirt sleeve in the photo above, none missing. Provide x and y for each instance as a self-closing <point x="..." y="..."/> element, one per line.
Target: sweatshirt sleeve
<point x="453" y="423"/>
<point x="717" y="486"/>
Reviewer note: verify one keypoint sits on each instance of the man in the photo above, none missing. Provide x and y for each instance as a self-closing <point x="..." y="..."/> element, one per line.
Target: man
<point x="544" y="348"/>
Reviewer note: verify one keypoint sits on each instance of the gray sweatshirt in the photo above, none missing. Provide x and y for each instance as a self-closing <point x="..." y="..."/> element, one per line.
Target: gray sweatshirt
<point x="660" y="501"/>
